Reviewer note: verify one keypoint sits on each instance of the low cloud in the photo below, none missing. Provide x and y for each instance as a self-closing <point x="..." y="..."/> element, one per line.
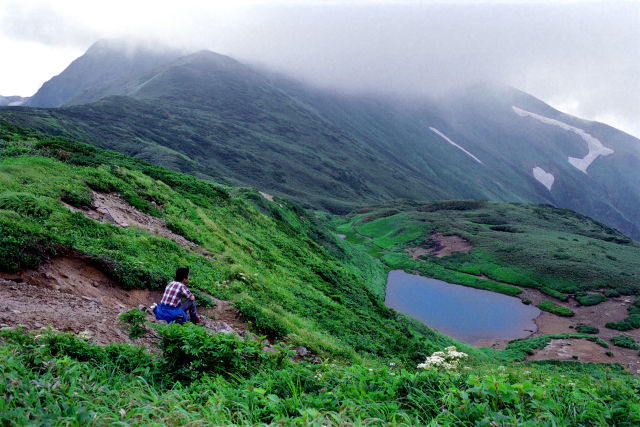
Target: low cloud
<point x="582" y="57"/>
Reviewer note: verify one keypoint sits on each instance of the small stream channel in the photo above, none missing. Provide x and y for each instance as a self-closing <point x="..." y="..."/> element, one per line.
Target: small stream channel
<point x="467" y="314"/>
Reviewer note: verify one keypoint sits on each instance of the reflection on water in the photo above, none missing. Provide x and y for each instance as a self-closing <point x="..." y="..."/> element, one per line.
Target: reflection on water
<point x="464" y="313"/>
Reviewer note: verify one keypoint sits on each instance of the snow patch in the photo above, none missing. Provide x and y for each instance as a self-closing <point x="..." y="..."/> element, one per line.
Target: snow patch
<point x="593" y="144"/>
<point x="544" y="177"/>
<point x="454" y="144"/>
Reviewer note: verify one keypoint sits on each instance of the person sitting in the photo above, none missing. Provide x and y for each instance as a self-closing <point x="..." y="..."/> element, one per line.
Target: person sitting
<point x="171" y="307"/>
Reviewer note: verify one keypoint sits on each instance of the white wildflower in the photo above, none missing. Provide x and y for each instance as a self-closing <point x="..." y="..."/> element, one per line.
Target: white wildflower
<point x="448" y="359"/>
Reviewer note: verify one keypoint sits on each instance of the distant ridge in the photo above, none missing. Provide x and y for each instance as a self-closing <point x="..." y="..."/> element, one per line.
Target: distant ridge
<point x="216" y="118"/>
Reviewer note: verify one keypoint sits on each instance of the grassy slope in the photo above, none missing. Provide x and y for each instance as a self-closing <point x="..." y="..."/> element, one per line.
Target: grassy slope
<point x="292" y="286"/>
<point x="58" y="378"/>
<point x="532" y="246"/>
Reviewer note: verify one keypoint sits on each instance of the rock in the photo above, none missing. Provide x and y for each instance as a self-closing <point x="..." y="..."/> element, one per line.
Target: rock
<point x="142" y="308"/>
<point x="301" y="351"/>
<point x="224" y="328"/>
<point x="96" y="300"/>
<point x="270" y="349"/>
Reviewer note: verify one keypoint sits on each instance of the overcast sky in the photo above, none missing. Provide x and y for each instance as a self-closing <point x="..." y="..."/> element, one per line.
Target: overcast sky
<point x="582" y="57"/>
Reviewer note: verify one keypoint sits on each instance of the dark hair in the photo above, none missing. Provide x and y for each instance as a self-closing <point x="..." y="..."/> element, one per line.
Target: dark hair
<point x="182" y="273"/>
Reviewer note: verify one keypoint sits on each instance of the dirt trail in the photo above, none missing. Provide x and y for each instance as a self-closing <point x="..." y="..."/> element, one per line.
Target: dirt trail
<point x="71" y="295"/>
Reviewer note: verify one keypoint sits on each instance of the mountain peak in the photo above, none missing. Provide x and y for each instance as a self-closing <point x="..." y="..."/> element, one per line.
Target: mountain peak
<point x="106" y="61"/>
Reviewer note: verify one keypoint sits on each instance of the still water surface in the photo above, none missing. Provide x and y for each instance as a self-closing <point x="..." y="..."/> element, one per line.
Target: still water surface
<point x="464" y="313"/>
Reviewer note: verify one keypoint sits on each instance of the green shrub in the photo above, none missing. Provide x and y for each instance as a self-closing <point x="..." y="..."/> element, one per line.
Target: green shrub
<point x="554" y="308"/>
<point x="631" y="322"/>
<point x="505" y="229"/>
<point x="590" y="299"/>
<point x="25" y="204"/>
<point x="625" y="342"/>
<point x="611" y="293"/>
<point x="190" y="351"/>
<point x="553" y="293"/>
<point x="135" y="319"/>
<point x="77" y="198"/>
<point x="586" y="329"/>
<point x="262" y="320"/>
<point x="203" y="300"/>
<point x="526" y="301"/>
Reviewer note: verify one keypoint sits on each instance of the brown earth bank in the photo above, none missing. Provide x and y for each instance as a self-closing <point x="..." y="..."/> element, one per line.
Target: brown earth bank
<point x="71" y="295"/>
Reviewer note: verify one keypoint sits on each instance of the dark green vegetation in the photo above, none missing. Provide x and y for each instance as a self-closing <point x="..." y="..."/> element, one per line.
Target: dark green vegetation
<point x="587" y="329"/>
<point x="554" y="308"/>
<point x="590" y="299"/>
<point x="59" y="378"/>
<point x="556" y="251"/>
<point x="625" y="342"/>
<point x="213" y="117"/>
<point x="135" y="319"/>
<point x="284" y="271"/>
<point x="631" y="322"/>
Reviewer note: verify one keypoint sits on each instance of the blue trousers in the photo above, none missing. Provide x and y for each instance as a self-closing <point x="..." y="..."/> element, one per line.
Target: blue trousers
<point x="189" y="306"/>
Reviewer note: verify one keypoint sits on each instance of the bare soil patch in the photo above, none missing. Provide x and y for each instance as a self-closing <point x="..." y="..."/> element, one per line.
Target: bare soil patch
<point x="269" y="197"/>
<point x="572" y="349"/>
<point x="441" y="246"/>
<point x="71" y="295"/>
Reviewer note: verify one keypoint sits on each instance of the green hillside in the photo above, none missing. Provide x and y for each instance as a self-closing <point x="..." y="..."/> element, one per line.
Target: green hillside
<point x="534" y="246"/>
<point x="292" y="280"/>
<point x="272" y="265"/>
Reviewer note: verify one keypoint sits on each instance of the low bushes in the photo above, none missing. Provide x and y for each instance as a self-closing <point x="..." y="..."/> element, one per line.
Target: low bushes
<point x="586" y="329"/>
<point x="625" y="342"/>
<point x="631" y="322"/>
<point x="135" y="319"/>
<point x="189" y="351"/>
<point x="553" y="293"/>
<point x="554" y="308"/>
<point x="590" y="299"/>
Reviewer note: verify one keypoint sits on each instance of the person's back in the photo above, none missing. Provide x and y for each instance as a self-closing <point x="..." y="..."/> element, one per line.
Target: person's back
<point x="171" y="307"/>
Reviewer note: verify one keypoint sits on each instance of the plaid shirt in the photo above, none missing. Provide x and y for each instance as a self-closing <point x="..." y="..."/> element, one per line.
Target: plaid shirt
<point x="173" y="292"/>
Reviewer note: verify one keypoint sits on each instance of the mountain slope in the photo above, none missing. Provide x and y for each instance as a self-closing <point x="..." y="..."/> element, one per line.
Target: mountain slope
<point x="214" y="117"/>
<point x="103" y="70"/>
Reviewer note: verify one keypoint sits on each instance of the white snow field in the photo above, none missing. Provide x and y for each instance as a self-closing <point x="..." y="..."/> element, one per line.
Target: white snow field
<point x="593" y="144"/>
<point x="544" y="177"/>
<point x="454" y="144"/>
